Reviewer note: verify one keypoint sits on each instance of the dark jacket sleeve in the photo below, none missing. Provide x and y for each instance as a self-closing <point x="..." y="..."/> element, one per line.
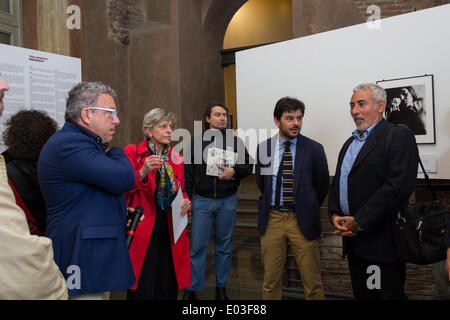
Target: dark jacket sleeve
<point x="333" y="198"/>
<point x="244" y="166"/>
<point x="189" y="170"/>
<point x="83" y="162"/>
<point x="259" y="178"/>
<point x="399" y="184"/>
<point x="333" y="204"/>
<point x="321" y="176"/>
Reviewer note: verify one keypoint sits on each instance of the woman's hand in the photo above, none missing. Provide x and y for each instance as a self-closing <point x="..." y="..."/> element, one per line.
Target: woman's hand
<point x="185" y="207"/>
<point x="151" y="163"/>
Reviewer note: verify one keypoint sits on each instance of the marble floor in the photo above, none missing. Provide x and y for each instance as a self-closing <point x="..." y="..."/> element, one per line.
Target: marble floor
<point x="246" y="274"/>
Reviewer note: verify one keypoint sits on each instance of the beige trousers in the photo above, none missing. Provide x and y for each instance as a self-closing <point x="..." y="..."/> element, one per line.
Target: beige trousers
<point x="283" y="226"/>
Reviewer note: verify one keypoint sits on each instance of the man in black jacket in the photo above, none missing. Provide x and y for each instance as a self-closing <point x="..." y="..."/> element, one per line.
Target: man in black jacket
<point x="367" y="191"/>
<point x="447" y="265"/>
<point x="214" y="165"/>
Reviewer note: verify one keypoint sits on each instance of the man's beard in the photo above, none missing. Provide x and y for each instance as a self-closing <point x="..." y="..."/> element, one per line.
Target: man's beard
<point x="290" y="135"/>
<point x="362" y="126"/>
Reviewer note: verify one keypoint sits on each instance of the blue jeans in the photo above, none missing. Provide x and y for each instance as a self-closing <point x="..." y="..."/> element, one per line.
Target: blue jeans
<point x="207" y="212"/>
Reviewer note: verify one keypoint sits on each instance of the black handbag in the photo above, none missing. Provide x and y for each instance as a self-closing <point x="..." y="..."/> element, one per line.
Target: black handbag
<point x="420" y="229"/>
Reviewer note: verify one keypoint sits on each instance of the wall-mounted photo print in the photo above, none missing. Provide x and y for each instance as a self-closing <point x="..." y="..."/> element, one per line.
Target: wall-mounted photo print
<point x="410" y="101"/>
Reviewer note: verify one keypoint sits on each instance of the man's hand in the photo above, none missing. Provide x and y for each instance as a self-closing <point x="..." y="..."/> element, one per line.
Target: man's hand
<point x="227" y="174"/>
<point x="447" y="265"/>
<point x="337" y="224"/>
<point x="346" y="225"/>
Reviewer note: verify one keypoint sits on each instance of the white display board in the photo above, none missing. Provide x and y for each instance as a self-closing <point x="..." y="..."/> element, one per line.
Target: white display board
<point x="38" y="80"/>
<point x="321" y="70"/>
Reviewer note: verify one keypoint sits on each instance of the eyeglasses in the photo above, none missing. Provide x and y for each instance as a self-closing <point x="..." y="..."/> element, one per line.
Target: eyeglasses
<point x="113" y="111"/>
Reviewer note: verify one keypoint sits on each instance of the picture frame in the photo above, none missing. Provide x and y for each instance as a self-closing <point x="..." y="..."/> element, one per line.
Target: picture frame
<point x="410" y="101"/>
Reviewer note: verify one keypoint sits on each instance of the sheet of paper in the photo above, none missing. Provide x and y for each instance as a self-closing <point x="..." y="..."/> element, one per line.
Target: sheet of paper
<point x="179" y="222"/>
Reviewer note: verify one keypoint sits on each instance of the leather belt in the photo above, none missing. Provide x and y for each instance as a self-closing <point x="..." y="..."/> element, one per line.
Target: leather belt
<point x="283" y="208"/>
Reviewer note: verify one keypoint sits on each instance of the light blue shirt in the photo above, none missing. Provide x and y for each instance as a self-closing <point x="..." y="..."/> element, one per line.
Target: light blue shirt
<point x="347" y="164"/>
<point x="278" y="155"/>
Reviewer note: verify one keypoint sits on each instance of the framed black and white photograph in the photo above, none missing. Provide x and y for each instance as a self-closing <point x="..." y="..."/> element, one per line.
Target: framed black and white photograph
<point x="410" y="101"/>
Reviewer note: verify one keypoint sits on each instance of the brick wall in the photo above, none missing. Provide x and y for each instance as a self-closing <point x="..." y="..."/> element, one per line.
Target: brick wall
<point x="395" y="7"/>
<point x="126" y="15"/>
<point x="123" y="17"/>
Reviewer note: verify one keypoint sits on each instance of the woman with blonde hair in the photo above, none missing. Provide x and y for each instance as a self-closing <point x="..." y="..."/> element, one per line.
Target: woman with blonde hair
<point x="161" y="266"/>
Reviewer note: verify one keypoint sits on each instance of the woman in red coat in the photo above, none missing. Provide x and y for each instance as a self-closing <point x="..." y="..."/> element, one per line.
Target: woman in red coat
<point x="161" y="266"/>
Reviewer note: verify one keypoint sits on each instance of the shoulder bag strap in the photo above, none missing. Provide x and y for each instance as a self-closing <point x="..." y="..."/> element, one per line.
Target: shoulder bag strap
<point x="388" y="147"/>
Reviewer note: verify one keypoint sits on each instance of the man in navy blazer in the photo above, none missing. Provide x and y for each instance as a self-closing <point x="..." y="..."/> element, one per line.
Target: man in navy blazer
<point x="369" y="187"/>
<point x="447" y="264"/>
<point x="83" y="185"/>
<point x="297" y="221"/>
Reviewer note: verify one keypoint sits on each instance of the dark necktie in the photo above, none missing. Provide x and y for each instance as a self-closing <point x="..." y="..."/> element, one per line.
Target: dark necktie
<point x="285" y="179"/>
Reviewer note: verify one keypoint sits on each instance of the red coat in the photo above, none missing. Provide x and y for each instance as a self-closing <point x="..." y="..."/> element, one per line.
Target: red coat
<point x="143" y="194"/>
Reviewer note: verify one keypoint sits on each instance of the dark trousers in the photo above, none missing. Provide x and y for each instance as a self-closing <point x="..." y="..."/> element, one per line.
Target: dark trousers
<point x="157" y="280"/>
<point x="391" y="284"/>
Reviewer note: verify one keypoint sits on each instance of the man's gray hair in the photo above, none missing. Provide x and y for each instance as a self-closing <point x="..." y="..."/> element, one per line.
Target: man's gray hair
<point x="83" y="95"/>
<point x="378" y="93"/>
<point x="154" y="116"/>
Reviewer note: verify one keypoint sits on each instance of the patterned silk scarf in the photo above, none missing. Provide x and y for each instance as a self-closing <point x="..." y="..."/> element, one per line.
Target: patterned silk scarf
<point x="166" y="187"/>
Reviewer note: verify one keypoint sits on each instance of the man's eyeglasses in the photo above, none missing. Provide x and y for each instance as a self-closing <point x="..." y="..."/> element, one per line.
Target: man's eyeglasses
<point x="113" y="111"/>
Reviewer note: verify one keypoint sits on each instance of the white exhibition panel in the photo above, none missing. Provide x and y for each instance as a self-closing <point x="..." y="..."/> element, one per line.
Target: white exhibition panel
<point x="321" y="70"/>
<point x="38" y="80"/>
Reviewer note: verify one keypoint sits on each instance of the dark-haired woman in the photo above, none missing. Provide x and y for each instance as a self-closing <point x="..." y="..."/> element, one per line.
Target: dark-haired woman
<point x="26" y="133"/>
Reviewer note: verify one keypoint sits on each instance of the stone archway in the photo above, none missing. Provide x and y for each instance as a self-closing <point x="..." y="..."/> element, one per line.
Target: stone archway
<point x="218" y="15"/>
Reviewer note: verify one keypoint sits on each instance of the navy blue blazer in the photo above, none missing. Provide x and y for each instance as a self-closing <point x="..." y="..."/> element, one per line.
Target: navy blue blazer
<point x="311" y="182"/>
<point x="86" y="211"/>
<point x="377" y="187"/>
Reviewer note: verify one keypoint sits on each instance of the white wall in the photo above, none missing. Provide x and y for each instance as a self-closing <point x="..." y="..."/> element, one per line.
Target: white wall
<point x="321" y="70"/>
